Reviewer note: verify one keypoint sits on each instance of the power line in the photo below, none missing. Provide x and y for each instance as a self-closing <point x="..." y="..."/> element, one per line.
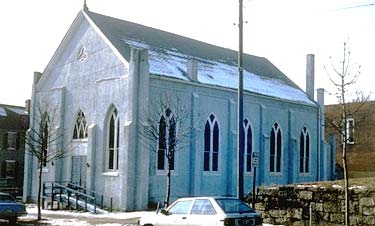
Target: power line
<point x="357" y="6"/>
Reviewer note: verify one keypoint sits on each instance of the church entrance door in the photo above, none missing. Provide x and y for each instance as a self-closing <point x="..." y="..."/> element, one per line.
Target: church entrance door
<point x="79" y="170"/>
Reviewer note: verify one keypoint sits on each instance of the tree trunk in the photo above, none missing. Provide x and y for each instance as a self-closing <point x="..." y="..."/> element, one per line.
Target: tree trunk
<point x="346" y="179"/>
<point x="168" y="195"/>
<point x="40" y="189"/>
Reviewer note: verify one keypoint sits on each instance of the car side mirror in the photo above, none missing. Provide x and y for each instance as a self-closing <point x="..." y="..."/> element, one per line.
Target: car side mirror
<point x="165" y="212"/>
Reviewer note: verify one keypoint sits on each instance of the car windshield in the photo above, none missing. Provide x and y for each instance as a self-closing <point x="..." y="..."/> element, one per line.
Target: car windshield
<point x="234" y="206"/>
<point x="6" y="198"/>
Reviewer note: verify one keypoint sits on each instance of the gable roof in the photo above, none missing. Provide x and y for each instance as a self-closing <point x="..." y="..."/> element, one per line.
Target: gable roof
<point x="13" y="117"/>
<point x="169" y="54"/>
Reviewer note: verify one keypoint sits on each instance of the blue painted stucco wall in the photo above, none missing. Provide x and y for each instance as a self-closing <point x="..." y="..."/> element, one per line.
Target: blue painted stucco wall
<point x="262" y="112"/>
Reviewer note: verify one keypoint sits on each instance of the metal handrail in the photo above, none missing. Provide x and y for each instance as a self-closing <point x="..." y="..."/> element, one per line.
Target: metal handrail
<point x="99" y="196"/>
<point x="89" y="196"/>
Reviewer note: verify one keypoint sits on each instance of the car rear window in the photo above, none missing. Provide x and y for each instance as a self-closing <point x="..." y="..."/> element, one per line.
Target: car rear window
<point x="234" y="206"/>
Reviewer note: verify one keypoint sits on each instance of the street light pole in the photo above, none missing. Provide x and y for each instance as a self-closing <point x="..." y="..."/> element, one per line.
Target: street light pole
<point x="240" y="133"/>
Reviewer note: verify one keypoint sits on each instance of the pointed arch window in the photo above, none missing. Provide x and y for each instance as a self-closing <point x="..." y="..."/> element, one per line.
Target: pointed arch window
<point x="304" y="151"/>
<point x="80" y="128"/>
<point x="248" y="144"/>
<point x="167" y="141"/>
<point x="211" y="145"/>
<point x="275" y="149"/>
<point x="44" y="138"/>
<point x="113" y="131"/>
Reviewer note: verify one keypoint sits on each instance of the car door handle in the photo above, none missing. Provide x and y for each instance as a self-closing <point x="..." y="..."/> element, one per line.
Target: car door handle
<point x="184" y="218"/>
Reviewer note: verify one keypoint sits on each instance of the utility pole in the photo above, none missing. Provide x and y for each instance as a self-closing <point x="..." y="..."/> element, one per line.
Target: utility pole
<point x="240" y="140"/>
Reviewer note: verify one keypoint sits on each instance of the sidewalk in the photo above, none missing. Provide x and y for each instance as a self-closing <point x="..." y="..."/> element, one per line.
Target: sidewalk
<point x="77" y="218"/>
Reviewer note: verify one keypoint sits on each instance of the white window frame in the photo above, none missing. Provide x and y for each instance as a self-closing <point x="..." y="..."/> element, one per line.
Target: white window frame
<point x="350" y="130"/>
<point x="80" y="124"/>
<point x="276" y="130"/>
<point x="246" y="130"/>
<point x="113" y="113"/>
<point x="211" y="153"/>
<point x="12" y="141"/>
<point x="165" y="167"/>
<point x="10" y="163"/>
<point x="306" y="159"/>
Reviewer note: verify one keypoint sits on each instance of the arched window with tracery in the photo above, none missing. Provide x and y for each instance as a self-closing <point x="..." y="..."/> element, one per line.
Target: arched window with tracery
<point x="211" y="145"/>
<point x="248" y="144"/>
<point x="167" y="140"/>
<point x="275" y="149"/>
<point x="113" y="135"/>
<point x="304" y="151"/>
<point x="80" y="127"/>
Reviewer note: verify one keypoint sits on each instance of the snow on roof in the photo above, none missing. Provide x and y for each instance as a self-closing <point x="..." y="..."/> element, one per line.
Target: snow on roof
<point x="173" y="64"/>
<point x="17" y="110"/>
<point x="3" y="112"/>
<point x="169" y="54"/>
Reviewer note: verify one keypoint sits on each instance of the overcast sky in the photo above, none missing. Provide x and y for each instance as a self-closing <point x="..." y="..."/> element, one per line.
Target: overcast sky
<point x="283" y="31"/>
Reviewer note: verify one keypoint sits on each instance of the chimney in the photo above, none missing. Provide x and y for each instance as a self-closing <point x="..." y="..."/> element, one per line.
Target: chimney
<point x="37" y="76"/>
<point x="27" y="106"/>
<point x="192" y="69"/>
<point x="310" y="68"/>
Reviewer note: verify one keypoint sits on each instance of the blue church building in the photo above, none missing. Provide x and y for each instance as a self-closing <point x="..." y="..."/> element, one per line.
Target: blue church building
<point x="101" y="84"/>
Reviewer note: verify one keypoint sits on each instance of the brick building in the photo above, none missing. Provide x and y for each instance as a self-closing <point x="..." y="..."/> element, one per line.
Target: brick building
<point x="361" y="132"/>
<point x="13" y="125"/>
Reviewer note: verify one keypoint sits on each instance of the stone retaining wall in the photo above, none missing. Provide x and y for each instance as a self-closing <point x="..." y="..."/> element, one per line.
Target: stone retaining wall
<point x="322" y="205"/>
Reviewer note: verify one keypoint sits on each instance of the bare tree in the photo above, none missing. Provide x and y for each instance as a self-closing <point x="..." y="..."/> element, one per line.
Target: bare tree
<point x="44" y="142"/>
<point x="166" y="130"/>
<point x="344" y="77"/>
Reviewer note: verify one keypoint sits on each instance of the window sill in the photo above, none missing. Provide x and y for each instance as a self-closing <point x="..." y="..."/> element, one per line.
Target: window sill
<point x="44" y="170"/>
<point x="211" y="173"/>
<point x="80" y="140"/>
<point x="276" y="174"/>
<point x="164" y="172"/>
<point x="304" y="174"/>
<point x="250" y="174"/>
<point x="111" y="174"/>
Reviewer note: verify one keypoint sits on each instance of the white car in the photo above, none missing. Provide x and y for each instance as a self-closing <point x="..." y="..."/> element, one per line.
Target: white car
<point x="205" y="211"/>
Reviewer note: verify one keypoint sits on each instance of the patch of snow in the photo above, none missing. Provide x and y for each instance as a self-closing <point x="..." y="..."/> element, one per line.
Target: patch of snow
<point x="361" y="187"/>
<point x="306" y="186"/>
<point x="136" y="44"/>
<point x="18" y="110"/>
<point x="216" y="73"/>
<point x="65" y="222"/>
<point x="168" y="64"/>
<point x="32" y="209"/>
<point x="271" y="224"/>
<point x="336" y="186"/>
<point x="109" y="224"/>
<point x="172" y="63"/>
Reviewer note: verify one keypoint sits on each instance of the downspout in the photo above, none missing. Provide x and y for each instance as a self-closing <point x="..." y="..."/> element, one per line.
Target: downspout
<point x="321" y="121"/>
